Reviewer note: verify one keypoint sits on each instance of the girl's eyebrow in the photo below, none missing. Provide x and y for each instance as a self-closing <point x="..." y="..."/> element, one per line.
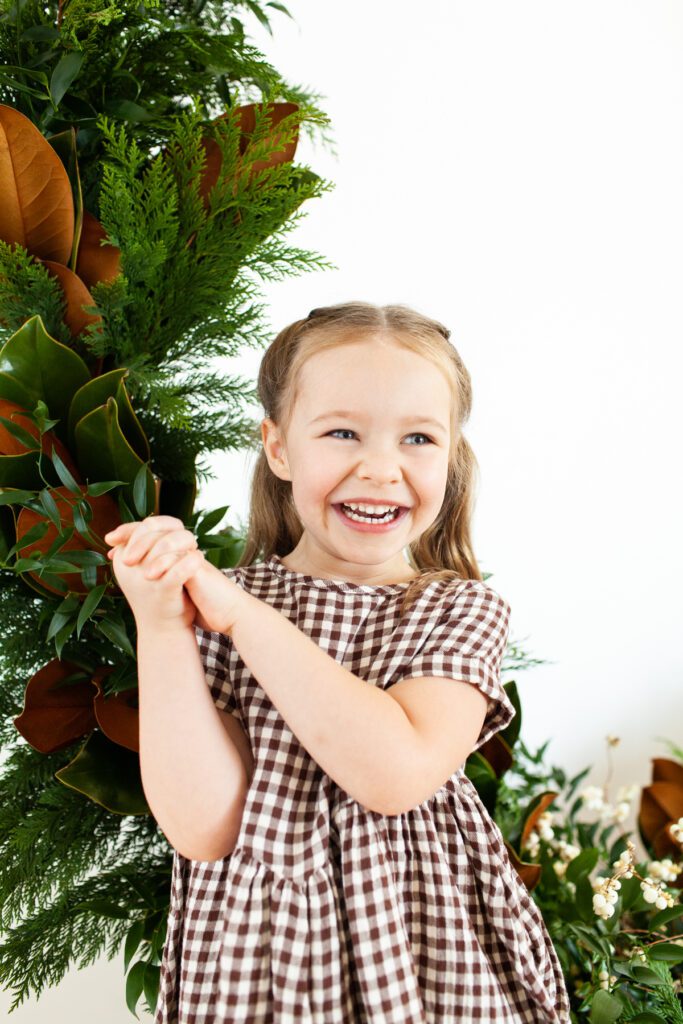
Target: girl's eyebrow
<point x="344" y="413"/>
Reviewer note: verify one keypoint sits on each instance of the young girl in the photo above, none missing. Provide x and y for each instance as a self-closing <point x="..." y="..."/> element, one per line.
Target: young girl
<point x="333" y="863"/>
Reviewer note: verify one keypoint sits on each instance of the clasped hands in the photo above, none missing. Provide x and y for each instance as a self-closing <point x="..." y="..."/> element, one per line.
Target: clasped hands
<point x="166" y="579"/>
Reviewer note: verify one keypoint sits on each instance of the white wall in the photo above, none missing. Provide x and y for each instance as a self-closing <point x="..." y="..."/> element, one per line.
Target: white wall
<point x="515" y="171"/>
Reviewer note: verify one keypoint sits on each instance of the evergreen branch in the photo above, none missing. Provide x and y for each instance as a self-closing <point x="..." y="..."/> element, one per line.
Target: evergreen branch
<point x="27" y="288"/>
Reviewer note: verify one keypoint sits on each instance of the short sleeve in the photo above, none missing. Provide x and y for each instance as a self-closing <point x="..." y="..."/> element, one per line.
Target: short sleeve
<point x="468" y="643"/>
<point x="215" y="653"/>
<point x="216" y="650"/>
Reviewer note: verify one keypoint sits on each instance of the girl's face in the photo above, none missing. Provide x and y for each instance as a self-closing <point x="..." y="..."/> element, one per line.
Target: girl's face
<point x="391" y="446"/>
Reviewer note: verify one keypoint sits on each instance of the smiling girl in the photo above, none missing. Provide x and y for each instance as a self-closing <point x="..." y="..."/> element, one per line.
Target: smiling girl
<point x="306" y="715"/>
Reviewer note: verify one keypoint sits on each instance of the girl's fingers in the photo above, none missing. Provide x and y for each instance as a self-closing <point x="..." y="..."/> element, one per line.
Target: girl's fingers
<point x="159" y="550"/>
<point x="159" y="522"/>
<point x="184" y="568"/>
<point x="143" y="542"/>
<point x="161" y="563"/>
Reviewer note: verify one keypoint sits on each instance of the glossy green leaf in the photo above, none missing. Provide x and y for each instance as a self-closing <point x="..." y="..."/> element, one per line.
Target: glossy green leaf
<point x="63" y="473"/>
<point x="15" y="495"/>
<point x="646" y="976"/>
<point x="27" y="565"/>
<point x="108" y="774"/>
<point x="133" y="940"/>
<point x="89" y="605"/>
<point x="666" y="915"/>
<point x="127" y="110"/>
<point x="95" y="490"/>
<point x="211" y="519"/>
<point x="28" y="440"/>
<point x="584" y="900"/>
<point x="66" y="70"/>
<point x="511" y="732"/>
<point x="605" y="1009"/>
<point x="63" y="615"/>
<point x="63" y="635"/>
<point x="16" y="74"/>
<point x="629" y="892"/>
<point x="94" y="394"/>
<point x="105" y="908"/>
<point x="115" y="631"/>
<point x="622" y="968"/>
<point x="81" y="558"/>
<point x="134" y="984"/>
<point x="103" y="452"/>
<point x="35" y="366"/>
<point x="81" y="523"/>
<point x="669" y="952"/>
<point x="32" y="536"/>
<point x="50" y="507"/>
<point x="150" y="984"/>
<point x="574" y="782"/>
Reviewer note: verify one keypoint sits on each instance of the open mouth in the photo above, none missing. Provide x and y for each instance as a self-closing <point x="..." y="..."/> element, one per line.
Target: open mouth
<point x="368" y="520"/>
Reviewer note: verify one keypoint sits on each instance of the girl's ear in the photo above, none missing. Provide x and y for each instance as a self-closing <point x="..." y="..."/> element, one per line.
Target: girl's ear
<point x="274" y="449"/>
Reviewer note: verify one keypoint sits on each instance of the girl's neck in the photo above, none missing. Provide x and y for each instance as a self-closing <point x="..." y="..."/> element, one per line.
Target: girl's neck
<point x="292" y="562"/>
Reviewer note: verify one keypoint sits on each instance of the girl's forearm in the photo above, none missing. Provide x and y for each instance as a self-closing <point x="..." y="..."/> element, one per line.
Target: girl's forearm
<point x="358" y="734"/>
<point x="193" y="776"/>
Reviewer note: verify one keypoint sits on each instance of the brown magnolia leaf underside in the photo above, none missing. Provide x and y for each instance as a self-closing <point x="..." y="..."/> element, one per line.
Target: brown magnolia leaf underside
<point x="37" y="209"/>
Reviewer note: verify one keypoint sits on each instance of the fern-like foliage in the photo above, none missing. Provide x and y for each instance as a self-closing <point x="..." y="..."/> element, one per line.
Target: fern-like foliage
<point x="142" y="83"/>
<point x="68" y="61"/>
<point x="26" y="285"/>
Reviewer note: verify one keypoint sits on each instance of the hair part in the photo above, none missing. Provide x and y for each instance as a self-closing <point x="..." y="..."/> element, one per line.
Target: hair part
<point x="444" y="550"/>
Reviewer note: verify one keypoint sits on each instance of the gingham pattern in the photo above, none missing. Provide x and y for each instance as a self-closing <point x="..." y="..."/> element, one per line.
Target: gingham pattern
<point x="327" y="912"/>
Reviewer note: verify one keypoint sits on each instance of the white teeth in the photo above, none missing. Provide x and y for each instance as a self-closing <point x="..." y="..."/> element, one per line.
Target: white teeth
<point x="377" y="509"/>
<point x="369" y="519"/>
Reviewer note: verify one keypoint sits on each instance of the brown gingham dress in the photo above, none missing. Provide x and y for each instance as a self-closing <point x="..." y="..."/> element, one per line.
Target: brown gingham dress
<point x="327" y="912"/>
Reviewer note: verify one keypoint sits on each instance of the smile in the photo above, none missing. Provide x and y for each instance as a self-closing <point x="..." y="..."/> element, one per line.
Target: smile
<point x="369" y="524"/>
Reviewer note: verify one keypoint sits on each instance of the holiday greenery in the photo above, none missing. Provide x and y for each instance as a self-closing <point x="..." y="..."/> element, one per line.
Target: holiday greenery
<point x="148" y="179"/>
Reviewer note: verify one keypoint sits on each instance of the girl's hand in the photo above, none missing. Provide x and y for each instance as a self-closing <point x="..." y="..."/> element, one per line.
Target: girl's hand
<point x="151" y="561"/>
<point x="155" y="560"/>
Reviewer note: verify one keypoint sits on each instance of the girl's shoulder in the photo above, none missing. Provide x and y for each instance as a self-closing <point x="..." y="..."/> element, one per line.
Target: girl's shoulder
<point x="458" y="597"/>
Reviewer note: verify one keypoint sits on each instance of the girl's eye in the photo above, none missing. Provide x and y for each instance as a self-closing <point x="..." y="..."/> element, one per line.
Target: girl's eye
<point x="346" y="430"/>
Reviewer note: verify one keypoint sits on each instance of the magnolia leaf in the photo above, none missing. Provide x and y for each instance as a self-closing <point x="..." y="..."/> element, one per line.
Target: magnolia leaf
<point x="94" y="394"/>
<point x="37" y="209"/>
<point x="103" y="452"/>
<point x="37" y="367"/>
<point x="76" y="297"/>
<point x="65" y="146"/>
<point x="108" y="774"/>
<point x="96" y="262"/>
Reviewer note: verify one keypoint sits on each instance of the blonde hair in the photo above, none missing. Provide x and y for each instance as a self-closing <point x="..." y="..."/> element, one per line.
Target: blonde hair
<point x="444" y="550"/>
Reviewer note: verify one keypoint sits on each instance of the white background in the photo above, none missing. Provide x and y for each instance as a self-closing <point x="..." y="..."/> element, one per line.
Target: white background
<point x="514" y="170"/>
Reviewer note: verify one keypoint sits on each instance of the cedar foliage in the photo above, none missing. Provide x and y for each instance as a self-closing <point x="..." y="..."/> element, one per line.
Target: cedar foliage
<point x="141" y="83"/>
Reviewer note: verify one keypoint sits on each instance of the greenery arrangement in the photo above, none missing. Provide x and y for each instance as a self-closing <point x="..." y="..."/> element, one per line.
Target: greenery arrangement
<point x="147" y="174"/>
<point x="616" y="920"/>
<point x="148" y="179"/>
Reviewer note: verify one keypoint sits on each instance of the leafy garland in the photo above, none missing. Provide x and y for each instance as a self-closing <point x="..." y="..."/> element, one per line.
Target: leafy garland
<point x="132" y="244"/>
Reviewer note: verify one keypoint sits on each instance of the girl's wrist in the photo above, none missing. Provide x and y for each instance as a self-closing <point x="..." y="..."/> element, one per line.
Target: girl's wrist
<point x="156" y="627"/>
